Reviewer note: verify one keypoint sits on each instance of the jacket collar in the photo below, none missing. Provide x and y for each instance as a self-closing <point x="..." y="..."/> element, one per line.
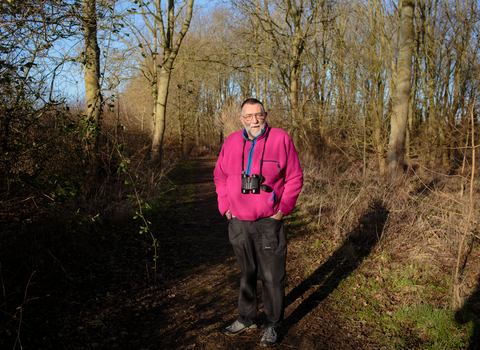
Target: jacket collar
<point x="259" y="137"/>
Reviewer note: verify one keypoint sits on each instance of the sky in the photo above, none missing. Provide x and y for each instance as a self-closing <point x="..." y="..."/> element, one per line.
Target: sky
<point x="69" y="80"/>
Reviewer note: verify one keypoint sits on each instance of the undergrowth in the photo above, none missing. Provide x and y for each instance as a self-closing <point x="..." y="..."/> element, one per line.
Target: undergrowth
<point x="401" y="287"/>
<point x="172" y="200"/>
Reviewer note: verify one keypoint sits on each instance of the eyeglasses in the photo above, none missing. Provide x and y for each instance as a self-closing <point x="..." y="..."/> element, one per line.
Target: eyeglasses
<point x="259" y="116"/>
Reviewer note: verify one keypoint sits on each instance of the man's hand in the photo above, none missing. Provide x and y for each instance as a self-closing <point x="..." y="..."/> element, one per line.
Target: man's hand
<point x="277" y="216"/>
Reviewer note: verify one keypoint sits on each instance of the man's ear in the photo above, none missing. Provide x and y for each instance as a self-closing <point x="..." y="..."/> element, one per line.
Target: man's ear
<point x="266" y="114"/>
<point x="240" y="117"/>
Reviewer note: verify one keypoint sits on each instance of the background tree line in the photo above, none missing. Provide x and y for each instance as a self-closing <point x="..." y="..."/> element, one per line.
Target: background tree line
<point x="327" y="70"/>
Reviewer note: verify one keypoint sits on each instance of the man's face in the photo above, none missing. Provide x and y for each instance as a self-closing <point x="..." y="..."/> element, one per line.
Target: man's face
<point x="256" y="124"/>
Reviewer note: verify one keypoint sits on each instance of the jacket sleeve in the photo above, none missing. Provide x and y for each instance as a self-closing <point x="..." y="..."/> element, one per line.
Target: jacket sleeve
<point x="220" y="178"/>
<point x="293" y="179"/>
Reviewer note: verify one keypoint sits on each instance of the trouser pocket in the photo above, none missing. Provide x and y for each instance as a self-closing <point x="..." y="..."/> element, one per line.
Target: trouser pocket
<point x="235" y="232"/>
<point x="273" y="238"/>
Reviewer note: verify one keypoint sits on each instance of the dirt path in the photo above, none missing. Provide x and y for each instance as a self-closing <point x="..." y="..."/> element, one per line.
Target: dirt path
<point x="109" y="303"/>
<point x="202" y="302"/>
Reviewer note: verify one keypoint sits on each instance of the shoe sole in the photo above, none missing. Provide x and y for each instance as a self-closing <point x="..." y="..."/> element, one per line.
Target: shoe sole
<point x="268" y="345"/>
<point x="253" y="326"/>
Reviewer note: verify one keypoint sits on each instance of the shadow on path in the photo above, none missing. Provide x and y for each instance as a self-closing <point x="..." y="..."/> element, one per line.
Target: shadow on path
<point x="343" y="262"/>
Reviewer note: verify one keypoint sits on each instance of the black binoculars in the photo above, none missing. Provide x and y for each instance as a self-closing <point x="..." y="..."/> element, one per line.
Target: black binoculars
<point x="251" y="183"/>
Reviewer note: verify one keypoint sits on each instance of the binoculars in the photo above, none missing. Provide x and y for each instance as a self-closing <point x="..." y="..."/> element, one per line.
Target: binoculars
<point x="251" y="183"/>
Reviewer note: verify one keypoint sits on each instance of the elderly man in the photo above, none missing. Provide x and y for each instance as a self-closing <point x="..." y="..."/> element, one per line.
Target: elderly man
<point x="258" y="179"/>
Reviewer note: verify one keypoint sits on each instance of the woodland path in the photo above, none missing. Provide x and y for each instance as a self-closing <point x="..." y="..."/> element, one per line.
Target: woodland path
<point x="111" y="304"/>
<point x="199" y="304"/>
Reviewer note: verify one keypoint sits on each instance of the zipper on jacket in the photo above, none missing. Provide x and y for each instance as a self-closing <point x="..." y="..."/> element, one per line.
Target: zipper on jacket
<point x="273" y="199"/>
<point x="274" y="161"/>
<point x="250" y="156"/>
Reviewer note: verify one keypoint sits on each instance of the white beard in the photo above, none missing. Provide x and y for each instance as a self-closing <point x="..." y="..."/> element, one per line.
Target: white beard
<point x="249" y="129"/>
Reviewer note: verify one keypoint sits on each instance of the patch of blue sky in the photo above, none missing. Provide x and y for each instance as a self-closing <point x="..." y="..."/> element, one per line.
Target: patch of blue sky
<point x="69" y="78"/>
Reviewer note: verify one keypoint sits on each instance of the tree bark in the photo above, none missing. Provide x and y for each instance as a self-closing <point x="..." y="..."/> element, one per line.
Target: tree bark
<point x="93" y="96"/>
<point x="399" y="117"/>
<point x="378" y="126"/>
<point x="160" y="115"/>
<point x="170" y="48"/>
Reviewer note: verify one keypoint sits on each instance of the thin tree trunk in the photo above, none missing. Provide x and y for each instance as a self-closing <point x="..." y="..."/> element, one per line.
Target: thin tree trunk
<point x="93" y="94"/>
<point x="411" y="104"/>
<point x="378" y="127"/>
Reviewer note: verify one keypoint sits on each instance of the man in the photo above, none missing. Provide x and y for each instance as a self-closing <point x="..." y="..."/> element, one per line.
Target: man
<point x="258" y="179"/>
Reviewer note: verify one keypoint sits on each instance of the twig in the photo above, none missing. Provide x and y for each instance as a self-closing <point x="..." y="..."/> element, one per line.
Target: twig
<point x="320" y="211"/>
<point x="59" y="262"/>
<point x="18" y="330"/>
<point x="17" y="340"/>
<point x="341" y="150"/>
<point x="140" y="214"/>
<point x="358" y="196"/>
<point x="457" y="299"/>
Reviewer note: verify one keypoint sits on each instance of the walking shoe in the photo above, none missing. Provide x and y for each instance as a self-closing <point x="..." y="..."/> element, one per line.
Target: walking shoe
<point x="270" y="336"/>
<point x="237" y="328"/>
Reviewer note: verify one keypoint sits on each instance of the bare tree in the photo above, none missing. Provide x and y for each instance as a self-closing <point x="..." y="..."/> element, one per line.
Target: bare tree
<point x="461" y="20"/>
<point x="377" y="71"/>
<point x="281" y="30"/>
<point x="167" y="35"/>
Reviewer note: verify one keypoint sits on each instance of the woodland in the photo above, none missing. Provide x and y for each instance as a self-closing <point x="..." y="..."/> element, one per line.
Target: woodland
<point x="112" y="113"/>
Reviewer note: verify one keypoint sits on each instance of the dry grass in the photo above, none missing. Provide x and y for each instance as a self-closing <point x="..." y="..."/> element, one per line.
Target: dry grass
<point x="227" y="118"/>
<point x="427" y="212"/>
<point x="423" y="269"/>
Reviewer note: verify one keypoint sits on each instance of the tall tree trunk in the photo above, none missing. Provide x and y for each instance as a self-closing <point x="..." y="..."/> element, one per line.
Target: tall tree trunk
<point x="93" y="94"/>
<point x="160" y="115"/>
<point x="432" y="117"/>
<point x="399" y="117"/>
<point x="170" y="46"/>
<point x="154" y="79"/>
<point x="293" y="95"/>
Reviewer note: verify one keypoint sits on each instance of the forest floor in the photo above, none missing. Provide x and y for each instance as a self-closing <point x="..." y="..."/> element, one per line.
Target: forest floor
<point x="115" y="301"/>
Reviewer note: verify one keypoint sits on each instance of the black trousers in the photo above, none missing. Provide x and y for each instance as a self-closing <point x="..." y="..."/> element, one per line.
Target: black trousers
<point x="260" y="247"/>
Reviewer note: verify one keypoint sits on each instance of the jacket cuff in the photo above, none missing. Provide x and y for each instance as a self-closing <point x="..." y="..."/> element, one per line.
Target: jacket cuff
<point x="284" y="210"/>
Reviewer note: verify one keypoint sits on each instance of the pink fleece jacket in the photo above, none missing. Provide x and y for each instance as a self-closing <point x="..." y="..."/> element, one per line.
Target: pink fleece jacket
<point x="281" y="170"/>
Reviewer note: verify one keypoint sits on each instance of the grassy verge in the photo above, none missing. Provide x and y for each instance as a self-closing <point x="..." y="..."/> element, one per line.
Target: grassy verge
<point x="392" y="252"/>
<point x="396" y="303"/>
<point x="403" y="305"/>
